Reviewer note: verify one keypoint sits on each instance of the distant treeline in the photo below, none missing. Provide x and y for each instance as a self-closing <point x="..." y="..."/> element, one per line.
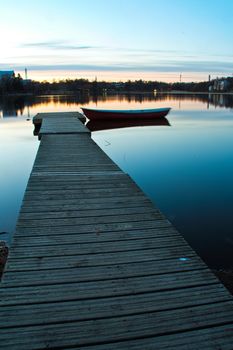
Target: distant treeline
<point x="15" y="84"/>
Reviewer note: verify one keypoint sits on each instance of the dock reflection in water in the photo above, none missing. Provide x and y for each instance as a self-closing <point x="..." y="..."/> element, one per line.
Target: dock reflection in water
<point x="97" y="125"/>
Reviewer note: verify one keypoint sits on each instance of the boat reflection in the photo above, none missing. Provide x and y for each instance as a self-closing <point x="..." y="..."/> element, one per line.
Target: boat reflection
<point x="97" y="125"/>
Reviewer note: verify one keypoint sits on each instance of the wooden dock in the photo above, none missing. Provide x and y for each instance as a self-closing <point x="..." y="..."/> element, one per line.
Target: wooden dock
<point x="95" y="266"/>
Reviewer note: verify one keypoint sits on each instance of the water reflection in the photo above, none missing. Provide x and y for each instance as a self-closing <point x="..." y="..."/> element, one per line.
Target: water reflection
<point x="216" y="100"/>
<point x="16" y="106"/>
<point x="12" y="107"/>
<point x="97" y="125"/>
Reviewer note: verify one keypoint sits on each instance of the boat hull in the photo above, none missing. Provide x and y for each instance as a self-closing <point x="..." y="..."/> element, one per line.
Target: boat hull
<point x="97" y="114"/>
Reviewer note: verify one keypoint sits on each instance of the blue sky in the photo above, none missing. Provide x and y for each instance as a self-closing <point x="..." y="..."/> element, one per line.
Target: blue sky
<point x="116" y="39"/>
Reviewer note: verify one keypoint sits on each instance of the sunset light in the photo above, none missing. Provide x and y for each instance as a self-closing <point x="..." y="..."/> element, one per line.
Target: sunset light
<point x="117" y="40"/>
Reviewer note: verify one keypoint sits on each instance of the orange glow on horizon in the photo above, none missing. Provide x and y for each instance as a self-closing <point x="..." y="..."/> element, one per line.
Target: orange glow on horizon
<point x="168" y="77"/>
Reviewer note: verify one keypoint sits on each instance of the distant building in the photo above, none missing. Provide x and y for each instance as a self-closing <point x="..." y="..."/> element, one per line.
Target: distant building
<point x="223" y="85"/>
<point x="219" y="85"/>
<point x="6" y="74"/>
<point x="211" y="88"/>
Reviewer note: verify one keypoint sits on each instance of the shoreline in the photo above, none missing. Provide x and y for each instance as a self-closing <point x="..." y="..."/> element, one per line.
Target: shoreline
<point x="123" y="92"/>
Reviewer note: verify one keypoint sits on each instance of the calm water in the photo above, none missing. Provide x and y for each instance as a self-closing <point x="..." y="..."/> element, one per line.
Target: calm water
<point x="185" y="168"/>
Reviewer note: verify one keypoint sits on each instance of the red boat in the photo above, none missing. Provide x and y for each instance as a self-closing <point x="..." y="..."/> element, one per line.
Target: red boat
<point x="96" y="114"/>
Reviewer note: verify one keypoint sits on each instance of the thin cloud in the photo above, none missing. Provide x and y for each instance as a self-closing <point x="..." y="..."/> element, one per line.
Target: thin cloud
<point x="166" y="66"/>
<point x="56" y="45"/>
<point x="63" y="45"/>
<point x="147" y="50"/>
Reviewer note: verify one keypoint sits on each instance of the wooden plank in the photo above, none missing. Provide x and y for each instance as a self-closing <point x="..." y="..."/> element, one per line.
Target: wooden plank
<point x="214" y="338"/>
<point x="24" y="252"/>
<point x="65" y="291"/>
<point x="62" y="125"/>
<point x="145" y="208"/>
<point x="38" y="118"/>
<point x="128" y="202"/>
<point x="78" y="259"/>
<point x="117" y="328"/>
<point x="77" y="186"/>
<point x="101" y="273"/>
<point x="80" y="194"/>
<point x="69" y="159"/>
<point x="160" y="234"/>
<point x="80" y="310"/>
<point x="96" y="228"/>
<point x="104" y="219"/>
<point x="75" y="176"/>
<point x="83" y="203"/>
<point x="120" y="196"/>
<point x="89" y="197"/>
<point x="83" y="168"/>
<point x="48" y="177"/>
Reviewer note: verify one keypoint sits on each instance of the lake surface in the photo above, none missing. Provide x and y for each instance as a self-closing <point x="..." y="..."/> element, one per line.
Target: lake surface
<point x="186" y="168"/>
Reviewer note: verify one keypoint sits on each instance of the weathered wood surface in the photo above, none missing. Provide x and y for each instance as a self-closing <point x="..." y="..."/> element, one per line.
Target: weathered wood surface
<point x="37" y="119"/>
<point x="94" y="265"/>
<point x="62" y="126"/>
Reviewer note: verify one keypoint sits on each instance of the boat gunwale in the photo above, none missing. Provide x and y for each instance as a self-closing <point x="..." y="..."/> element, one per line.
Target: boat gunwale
<point x="127" y="111"/>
